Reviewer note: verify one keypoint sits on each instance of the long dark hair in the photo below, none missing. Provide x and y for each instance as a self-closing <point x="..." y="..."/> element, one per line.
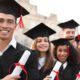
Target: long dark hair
<point x="72" y="58"/>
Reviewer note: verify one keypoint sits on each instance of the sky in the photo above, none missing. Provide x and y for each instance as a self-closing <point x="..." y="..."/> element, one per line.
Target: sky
<point x="64" y="9"/>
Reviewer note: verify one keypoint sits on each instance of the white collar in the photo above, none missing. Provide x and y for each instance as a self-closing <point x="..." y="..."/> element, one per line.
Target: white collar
<point x="41" y="62"/>
<point x="64" y="65"/>
<point x="13" y="43"/>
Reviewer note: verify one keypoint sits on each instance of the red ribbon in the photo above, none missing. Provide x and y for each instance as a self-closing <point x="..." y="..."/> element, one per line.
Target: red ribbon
<point x="21" y="24"/>
<point x="78" y="37"/>
<point x="57" y="74"/>
<point x="78" y="75"/>
<point x="22" y="67"/>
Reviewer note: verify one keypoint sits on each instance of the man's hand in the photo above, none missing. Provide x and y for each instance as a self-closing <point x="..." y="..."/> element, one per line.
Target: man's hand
<point x="9" y="77"/>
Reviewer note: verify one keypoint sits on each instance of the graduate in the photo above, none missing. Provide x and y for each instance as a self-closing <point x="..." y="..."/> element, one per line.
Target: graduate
<point x="69" y="30"/>
<point x="66" y="54"/>
<point x="10" y="50"/>
<point x="40" y="34"/>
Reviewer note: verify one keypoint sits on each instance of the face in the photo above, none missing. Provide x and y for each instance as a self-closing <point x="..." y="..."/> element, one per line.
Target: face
<point x="69" y="33"/>
<point x="62" y="53"/>
<point x="42" y="44"/>
<point x="7" y="26"/>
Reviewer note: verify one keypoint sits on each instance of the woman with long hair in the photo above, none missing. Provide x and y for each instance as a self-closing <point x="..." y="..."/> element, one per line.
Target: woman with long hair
<point x="42" y="45"/>
<point x="67" y="55"/>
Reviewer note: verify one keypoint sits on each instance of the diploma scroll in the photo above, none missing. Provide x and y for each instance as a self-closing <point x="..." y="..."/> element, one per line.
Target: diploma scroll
<point x="22" y="61"/>
<point x="78" y="77"/>
<point x="55" y="68"/>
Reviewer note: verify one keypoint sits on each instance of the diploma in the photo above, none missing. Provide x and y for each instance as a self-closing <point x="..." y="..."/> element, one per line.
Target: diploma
<point x="17" y="70"/>
<point x="78" y="77"/>
<point x="55" y="68"/>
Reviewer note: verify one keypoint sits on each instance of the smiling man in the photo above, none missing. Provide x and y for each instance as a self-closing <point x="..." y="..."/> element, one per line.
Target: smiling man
<point x="69" y="30"/>
<point x="10" y="50"/>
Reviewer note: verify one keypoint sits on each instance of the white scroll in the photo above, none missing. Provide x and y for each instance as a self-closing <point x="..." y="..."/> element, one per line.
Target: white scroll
<point x="55" y="68"/>
<point x="22" y="61"/>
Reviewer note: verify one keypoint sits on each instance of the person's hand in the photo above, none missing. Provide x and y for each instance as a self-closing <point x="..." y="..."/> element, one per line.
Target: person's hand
<point x="9" y="77"/>
<point x="47" y="78"/>
<point x="79" y="79"/>
<point x="74" y="43"/>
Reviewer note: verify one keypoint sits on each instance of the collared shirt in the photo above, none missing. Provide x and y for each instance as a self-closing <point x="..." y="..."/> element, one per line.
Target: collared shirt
<point x="41" y="62"/>
<point x="65" y="65"/>
<point x="12" y="43"/>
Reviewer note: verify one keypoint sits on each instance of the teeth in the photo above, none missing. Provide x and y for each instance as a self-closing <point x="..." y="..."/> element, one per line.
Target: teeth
<point x="62" y="56"/>
<point x="4" y="31"/>
<point x="42" y="47"/>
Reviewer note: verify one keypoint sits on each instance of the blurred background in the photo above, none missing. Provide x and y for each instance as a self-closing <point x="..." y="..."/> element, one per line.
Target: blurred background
<point x="50" y="12"/>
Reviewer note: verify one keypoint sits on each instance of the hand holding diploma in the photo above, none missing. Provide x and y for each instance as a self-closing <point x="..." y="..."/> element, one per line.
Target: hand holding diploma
<point x="78" y="76"/>
<point x="22" y="61"/>
<point x="55" y="70"/>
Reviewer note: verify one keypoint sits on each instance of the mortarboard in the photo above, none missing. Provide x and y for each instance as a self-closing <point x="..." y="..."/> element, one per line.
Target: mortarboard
<point x="71" y="50"/>
<point x="12" y="7"/>
<point x="40" y="30"/>
<point x="68" y="24"/>
<point x="61" y="41"/>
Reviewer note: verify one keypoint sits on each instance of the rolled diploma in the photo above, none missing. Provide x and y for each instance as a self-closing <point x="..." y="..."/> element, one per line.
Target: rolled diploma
<point x="22" y="61"/>
<point x="77" y="77"/>
<point x="55" y="68"/>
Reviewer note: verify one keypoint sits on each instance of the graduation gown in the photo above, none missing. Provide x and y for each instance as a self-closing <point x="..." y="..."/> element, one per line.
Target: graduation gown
<point x="11" y="56"/>
<point x="43" y="74"/>
<point x="66" y="74"/>
<point x="69" y="73"/>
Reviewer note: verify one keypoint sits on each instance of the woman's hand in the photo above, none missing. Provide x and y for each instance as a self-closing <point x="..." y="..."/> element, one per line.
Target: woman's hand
<point x="47" y="78"/>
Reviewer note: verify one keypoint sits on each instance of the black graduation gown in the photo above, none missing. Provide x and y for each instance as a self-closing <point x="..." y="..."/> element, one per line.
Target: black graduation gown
<point x="67" y="74"/>
<point x="12" y="55"/>
<point x="76" y="70"/>
<point x="43" y="74"/>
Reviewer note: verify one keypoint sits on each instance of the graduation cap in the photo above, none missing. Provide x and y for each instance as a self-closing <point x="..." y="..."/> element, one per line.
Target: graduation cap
<point x="41" y="30"/>
<point x="70" y="49"/>
<point x="12" y="7"/>
<point x="68" y="24"/>
<point x="61" y="41"/>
